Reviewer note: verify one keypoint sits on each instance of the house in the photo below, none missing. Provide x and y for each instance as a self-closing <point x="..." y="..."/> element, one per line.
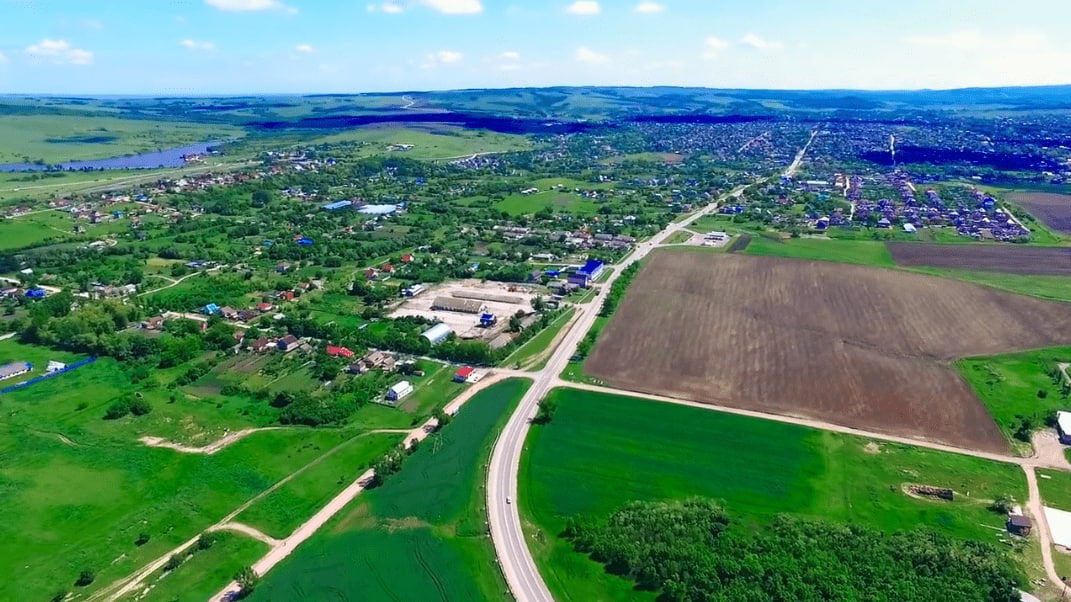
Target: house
<point x="264" y="307"/>
<point x="338" y="351"/>
<point x="153" y="323"/>
<point x="288" y="343"/>
<point x="398" y="391"/>
<point x="387" y="268"/>
<point x="228" y="312"/>
<point x="261" y="345"/>
<point x="407" y="258"/>
<point x="245" y="315"/>
<point x="579" y="280"/>
<point x="463" y="374"/>
<point x="14" y="369"/>
<point x="1019" y="525"/>
<point x="282" y="268"/>
<point x="370" y="274"/>
<point x="210" y="309"/>
<point x="239" y="336"/>
<point x="35" y="293"/>
<point x="374" y="360"/>
<point x="285" y="295"/>
<point x="1063" y="427"/>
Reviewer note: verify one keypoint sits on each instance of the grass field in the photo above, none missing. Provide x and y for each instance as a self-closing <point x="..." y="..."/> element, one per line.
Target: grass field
<point x="1055" y="488"/>
<point x="422" y="535"/>
<point x="539" y="343"/>
<point x="600" y="452"/>
<point x="204" y="573"/>
<point x="59" y="138"/>
<point x="283" y="510"/>
<point x="1017" y="384"/>
<point x="432" y="142"/>
<point x="862" y="252"/>
<point x="563" y="201"/>
<point x="1055" y="288"/>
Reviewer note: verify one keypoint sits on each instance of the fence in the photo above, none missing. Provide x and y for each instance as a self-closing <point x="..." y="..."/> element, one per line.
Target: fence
<point x="37" y="379"/>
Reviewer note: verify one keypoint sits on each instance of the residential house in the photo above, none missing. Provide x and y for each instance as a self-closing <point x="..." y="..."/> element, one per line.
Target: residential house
<point x="228" y="312"/>
<point x="153" y="323"/>
<point x="261" y="345"/>
<point x="288" y="343"/>
<point x="333" y="351"/>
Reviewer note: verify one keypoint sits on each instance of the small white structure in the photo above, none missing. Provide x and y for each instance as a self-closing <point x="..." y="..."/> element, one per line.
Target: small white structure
<point x="437" y="334"/>
<point x="717" y="236"/>
<point x="54" y="366"/>
<point x="398" y="391"/>
<point x="909" y="228"/>
<point x="1063" y="427"/>
<point x="1059" y="525"/>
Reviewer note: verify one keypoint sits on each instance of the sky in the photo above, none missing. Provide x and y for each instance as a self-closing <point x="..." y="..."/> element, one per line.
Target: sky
<point x="205" y="47"/>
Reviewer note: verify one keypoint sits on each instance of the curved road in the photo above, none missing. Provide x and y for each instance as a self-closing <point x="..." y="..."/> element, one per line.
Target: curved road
<point x="516" y="561"/>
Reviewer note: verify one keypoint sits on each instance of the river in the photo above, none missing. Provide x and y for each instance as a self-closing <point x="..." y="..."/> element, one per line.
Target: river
<point x="172" y="157"/>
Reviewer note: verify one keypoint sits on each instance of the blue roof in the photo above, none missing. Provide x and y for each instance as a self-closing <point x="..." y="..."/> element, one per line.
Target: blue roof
<point x="211" y="308"/>
<point x="337" y="205"/>
<point x="590" y="267"/>
<point x="304" y="241"/>
<point x="35" y="293"/>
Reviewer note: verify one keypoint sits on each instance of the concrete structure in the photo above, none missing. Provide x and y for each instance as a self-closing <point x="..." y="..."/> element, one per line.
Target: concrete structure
<point x="437" y="334"/>
<point x="1063" y="427"/>
<point x="14" y="369"/>
<point x="465" y="306"/>
<point x="399" y="390"/>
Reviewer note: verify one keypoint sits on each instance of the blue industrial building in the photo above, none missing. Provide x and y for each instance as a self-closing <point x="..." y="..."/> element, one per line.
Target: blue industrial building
<point x="337" y="205"/>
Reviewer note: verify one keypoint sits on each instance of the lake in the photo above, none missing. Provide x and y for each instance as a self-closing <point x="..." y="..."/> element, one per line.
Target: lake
<point x="172" y="157"/>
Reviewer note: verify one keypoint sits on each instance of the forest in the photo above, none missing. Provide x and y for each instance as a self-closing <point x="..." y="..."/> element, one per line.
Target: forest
<point x="691" y="550"/>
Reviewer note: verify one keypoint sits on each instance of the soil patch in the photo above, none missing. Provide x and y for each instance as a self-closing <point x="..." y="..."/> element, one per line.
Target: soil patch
<point x="1054" y="210"/>
<point x="1013" y="259"/>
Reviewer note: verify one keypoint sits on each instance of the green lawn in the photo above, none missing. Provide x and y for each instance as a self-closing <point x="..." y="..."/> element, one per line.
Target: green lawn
<point x="283" y="510"/>
<point x="1055" y="487"/>
<point x="564" y="201"/>
<point x="432" y="391"/>
<point x="1017" y="384"/>
<point x="436" y="142"/>
<point x="678" y="237"/>
<point x="205" y="573"/>
<point x="1055" y="288"/>
<point x="420" y="536"/>
<point x="600" y="452"/>
<point x="863" y="252"/>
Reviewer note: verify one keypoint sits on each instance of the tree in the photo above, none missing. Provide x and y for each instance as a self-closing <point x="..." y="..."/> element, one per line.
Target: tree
<point x="118" y="408"/>
<point x="443" y="418"/>
<point x="140" y="407"/>
<point x="207" y="540"/>
<point x="247" y="581"/>
<point x="143" y="538"/>
<point x="174" y="562"/>
<point x="546" y="411"/>
<point x="1002" y="504"/>
<point x="85" y="577"/>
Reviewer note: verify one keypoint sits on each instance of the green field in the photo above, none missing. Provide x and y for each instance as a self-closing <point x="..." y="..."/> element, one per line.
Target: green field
<point x="1017" y="385"/>
<point x="564" y="201"/>
<point x="59" y="138"/>
<point x="1054" y="288"/>
<point x="420" y="536"/>
<point x="433" y="142"/>
<point x="600" y="452"/>
<point x="283" y="510"/>
<point x="539" y="343"/>
<point x="1055" y="488"/>
<point x="863" y="252"/>
<point x="205" y="573"/>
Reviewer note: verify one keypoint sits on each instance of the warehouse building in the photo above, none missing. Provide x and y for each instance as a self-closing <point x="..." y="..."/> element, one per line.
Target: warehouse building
<point x="14" y="369"/>
<point x="464" y="306"/>
<point x="437" y="334"/>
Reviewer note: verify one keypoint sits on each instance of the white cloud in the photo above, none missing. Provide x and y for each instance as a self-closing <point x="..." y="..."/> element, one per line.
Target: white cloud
<point x="245" y="6"/>
<point x="391" y="8"/>
<point x="956" y="40"/>
<point x="448" y="56"/>
<point x="454" y="7"/>
<point x="649" y="8"/>
<point x="590" y="57"/>
<point x="3" y="58"/>
<point x="510" y="55"/>
<point x="306" y="48"/>
<point x="753" y="41"/>
<point x="712" y="47"/>
<point x="583" y="7"/>
<point x="59" y="52"/>
<point x="197" y="45"/>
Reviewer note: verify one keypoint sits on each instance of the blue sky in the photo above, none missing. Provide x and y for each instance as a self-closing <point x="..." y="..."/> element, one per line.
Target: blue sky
<point x="296" y="46"/>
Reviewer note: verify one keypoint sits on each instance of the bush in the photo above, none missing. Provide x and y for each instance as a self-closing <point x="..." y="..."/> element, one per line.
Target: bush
<point x="207" y="540"/>
<point x="247" y="582"/>
<point x="118" y="409"/>
<point x="85" y="577"/>
<point x="174" y="562"/>
<point x="140" y="407"/>
<point x="1042" y="393"/>
<point x="142" y="539"/>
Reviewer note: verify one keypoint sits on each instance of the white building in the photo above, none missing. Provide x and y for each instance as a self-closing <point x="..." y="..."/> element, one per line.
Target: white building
<point x="437" y="334"/>
<point x="398" y="391"/>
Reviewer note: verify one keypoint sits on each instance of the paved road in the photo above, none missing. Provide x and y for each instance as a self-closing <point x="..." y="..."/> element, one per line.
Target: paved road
<point x="791" y="171"/>
<point x="516" y="561"/>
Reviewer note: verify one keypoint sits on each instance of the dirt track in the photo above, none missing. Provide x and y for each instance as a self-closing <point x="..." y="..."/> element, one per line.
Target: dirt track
<point x="851" y="345"/>
<point x="1012" y="259"/>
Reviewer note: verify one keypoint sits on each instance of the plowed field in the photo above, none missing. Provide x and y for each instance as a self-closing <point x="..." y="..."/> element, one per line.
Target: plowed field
<point x="1013" y="259"/>
<point x="1054" y="210"/>
<point x="857" y="346"/>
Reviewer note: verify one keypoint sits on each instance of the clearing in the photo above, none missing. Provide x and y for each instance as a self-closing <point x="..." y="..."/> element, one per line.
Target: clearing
<point x="852" y="345"/>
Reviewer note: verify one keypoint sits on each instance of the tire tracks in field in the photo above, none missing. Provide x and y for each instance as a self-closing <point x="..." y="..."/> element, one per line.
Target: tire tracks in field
<point x="379" y="579"/>
<point x="427" y="569"/>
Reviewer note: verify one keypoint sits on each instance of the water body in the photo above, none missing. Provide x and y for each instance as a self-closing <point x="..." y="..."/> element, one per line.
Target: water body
<point x="172" y="157"/>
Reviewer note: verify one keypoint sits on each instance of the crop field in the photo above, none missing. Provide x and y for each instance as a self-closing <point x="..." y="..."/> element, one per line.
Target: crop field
<point x="844" y="251"/>
<point x="59" y="138"/>
<point x="602" y="451"/>
<point x="430" y="141"/>
<point x="1054" y="210"/>
<point x="421" y="535"/>
<point x="1013" y="259"/>
<point x="848" y="344"/>
<point x="1055" y="288"/>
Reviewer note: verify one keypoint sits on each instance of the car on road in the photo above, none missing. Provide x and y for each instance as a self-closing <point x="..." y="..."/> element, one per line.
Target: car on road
<point x="509" y="500"/>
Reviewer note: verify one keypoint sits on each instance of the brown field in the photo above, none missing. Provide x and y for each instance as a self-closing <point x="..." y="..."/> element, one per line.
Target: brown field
<point x="1013" y="259"/>
<point x="1054" y="210"/>
<point x="858" y="346"/>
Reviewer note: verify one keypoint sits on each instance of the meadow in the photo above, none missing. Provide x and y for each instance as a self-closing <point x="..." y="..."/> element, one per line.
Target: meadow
<point x="203" y="574"/>
<point x="60" y="138"/>
<point x="419" y="536"/>
<point x="525" y="354"/>
<point x="430" y="142"/>
<point x="79" y="490"/>
<point x="863" y="252"/>
<point x="1017" y="385"/>
<point x="601" y="451"/>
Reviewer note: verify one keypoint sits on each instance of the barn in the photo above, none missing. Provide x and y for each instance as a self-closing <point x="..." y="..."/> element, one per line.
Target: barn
<point x="464" y="306"/>
<point x="437" y="334"/>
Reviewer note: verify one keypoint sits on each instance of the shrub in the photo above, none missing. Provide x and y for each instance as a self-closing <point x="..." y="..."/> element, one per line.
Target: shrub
<point x="118" y="409"/>
<point x="85" y="577"/>
<point x="174" y="562"/>
<point x="140" y="407"/>
<point x="207" y="540"/>
<point x="142" y="539"/>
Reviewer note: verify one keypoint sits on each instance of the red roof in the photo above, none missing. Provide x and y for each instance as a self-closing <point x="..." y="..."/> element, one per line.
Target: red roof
<point x="407" y="258"/>
<point x="388" y="267"/>
<point x="338" y="351"/>
<point x="263" y="306"/>
<point x="464" y="372"/>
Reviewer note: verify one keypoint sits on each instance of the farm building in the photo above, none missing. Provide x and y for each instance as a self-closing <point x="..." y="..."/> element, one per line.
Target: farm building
<point x="1063" y="427"/>
<point x="1019" y="524"/>
<point x="464" y="306"/>
<point x="463" y="374"/>
<point x="399" y="390"/>
<point x="210" y="309"/>
<point x="14" y="369"/>
<point x="378" y="209"/>
<point x="412" y="291"/>
<point x="488" y="320"/>
<point x="337" y="205"/>
<point x="437" y="334"/>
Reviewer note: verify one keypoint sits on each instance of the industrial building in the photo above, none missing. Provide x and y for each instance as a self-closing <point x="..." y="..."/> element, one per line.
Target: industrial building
<point x="464" y="306"/>
<point x="337" y="205"/>
<point x="586" y="274"/>
<point x="14" y="369"/>
<point x="437" y="334"/>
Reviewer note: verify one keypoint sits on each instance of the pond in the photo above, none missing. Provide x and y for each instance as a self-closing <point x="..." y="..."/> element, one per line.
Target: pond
<point x="172" y="157"/>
